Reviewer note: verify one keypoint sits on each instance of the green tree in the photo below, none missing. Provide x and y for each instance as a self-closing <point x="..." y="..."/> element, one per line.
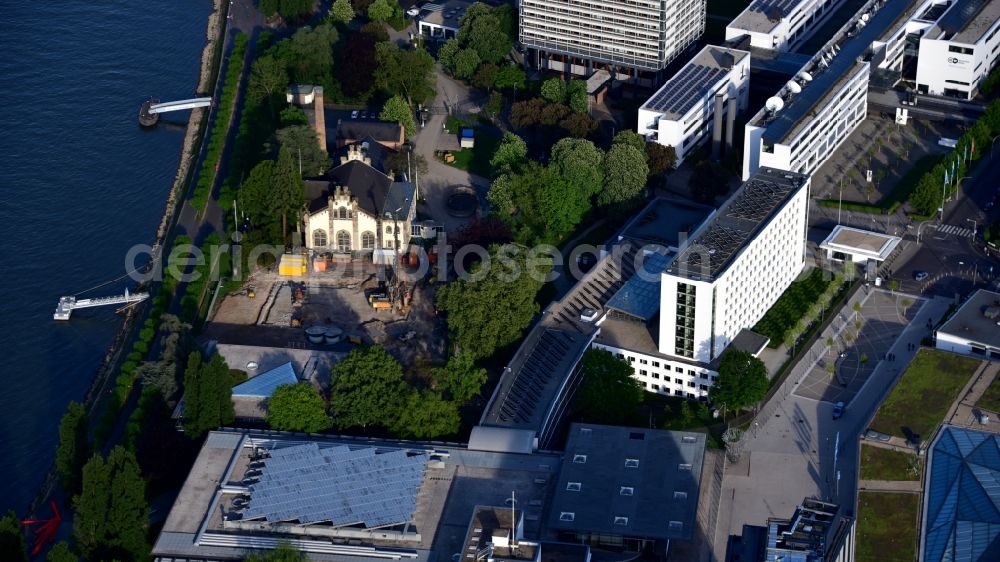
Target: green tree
<point x="396" y="109"/>
<point x="465" y="63"/>
<point x="580" y="163"/>
<point x="426" y="415"/>
<point x="404" y="72"/>
<point x="488" y="30"/>
<point x="367" y="388"/>
<point x="380" y="10"/>
<point x="501" y="196"/>
<point x="578" y="125"/>
<point x="554" y="90"/>
<point x="742" y="381"/>
<point x="460" y="378"/>
<point x="446" y="55"/>
<point x="510" y="76"/>
<point x="292" y="115"/>
<point x="287" y="194"/>
<point x="376" y="30"/>
<point x="254" y="194"/>
<point x="297" y="407"/>
<point x="208" y="395"/>
<point x="485" y="76"/>
<point x="284" y="552"/>
<point x="74" y="448"/>
<point x="12" y="539"/>
<point x="495" y="105"/>
<point x="355" y="72"/>
<point x="630" y="138"/>
<point x="625" y="172"/>
<point x="576" y="96"/>
<point x="302" y="142"/>
<point x="111" y="511"/>
<point x="311" y="55"/>
<point x="61" y="552"/>
<point x="473" y="323"/>
<point x="552" y="205"/>
<point x="342" y="12"/>
<point x="608" y="393"/>
<point x="510" y="155"/>
<point x="267" y="79"/>
<point x="661" y="158"/>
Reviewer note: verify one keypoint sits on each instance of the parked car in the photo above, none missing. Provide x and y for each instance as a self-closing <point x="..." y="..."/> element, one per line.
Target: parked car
<point x="413" y="12"/>
<point x="920" y="275"/>
<point x="838" y="410"/>
<point x="364" y="114"/>
<point x="354" y="114"/>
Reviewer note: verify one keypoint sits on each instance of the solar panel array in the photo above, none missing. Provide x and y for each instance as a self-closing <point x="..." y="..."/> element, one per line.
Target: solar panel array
<point x="685" y="89"/>
<point x="337" y="485"/>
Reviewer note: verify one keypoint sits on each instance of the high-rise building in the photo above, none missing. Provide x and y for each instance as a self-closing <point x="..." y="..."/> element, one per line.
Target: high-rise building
<point x="625" y="36"/>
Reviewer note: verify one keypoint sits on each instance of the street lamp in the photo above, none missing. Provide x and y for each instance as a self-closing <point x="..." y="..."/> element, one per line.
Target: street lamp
<point x="973" y="221"/>
<point x="958" y="183"/>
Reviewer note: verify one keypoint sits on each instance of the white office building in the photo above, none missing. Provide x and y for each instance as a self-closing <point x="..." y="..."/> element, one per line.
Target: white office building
<point x="707" y="92"/>
<point x="797" y="132"/>
<point x="780" y="25"/>
<point x="959" y="49"/>
<point x="621" y="36"/>
<point x="673" y="326"/>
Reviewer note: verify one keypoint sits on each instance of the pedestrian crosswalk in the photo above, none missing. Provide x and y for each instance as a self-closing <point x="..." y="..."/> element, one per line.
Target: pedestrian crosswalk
<point x="955" y="230"/>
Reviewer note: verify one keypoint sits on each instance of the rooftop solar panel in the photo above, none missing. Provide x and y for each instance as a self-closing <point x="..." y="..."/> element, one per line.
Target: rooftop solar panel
<point x="339" y="485"/>
<point x="683" y="91"/>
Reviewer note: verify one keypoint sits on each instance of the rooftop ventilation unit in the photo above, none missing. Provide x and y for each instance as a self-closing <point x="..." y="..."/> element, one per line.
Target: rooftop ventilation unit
<point x="805" y="76"/>
<point x="793" y="87"/>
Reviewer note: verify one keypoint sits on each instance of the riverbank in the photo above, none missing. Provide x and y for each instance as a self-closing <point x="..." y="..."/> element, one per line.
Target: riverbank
<point x="103" y="381"/>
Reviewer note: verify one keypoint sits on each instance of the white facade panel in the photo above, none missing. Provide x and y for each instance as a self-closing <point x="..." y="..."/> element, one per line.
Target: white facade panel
<point x="663" y="376"/>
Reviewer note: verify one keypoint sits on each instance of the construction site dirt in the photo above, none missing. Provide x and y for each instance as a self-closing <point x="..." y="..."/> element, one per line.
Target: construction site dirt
<point x="273" y="310"/>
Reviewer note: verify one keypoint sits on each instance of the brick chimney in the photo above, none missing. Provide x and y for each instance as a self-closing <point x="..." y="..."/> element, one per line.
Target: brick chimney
<point x="320" y="119"/>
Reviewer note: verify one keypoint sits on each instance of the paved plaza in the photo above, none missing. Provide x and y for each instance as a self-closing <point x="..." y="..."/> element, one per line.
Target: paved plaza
<point x="788" y="453"/>
<point x="855" y="353"/>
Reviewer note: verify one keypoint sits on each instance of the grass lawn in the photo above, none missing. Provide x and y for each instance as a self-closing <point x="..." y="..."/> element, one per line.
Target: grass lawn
<point x="792" y="306"/>
<point x="887" y="527"/>
<point x="990" y="400"/>
<point x="924" y="393"/>
<point x="477" y="160"/>
<point x="885" y="464"/>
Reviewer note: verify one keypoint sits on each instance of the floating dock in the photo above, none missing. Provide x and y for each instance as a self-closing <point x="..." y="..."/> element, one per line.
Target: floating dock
<point x="67" y="305"/>
<point x="147" y="118"/>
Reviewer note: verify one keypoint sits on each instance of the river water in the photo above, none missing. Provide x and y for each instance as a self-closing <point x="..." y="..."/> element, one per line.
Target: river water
<point x="80" y="183"/>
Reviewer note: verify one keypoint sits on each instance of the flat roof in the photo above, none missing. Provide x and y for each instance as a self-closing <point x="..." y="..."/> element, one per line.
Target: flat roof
<point x="844" y="65"/>
<point x="971" y="323"/>
<point x="626" y="481"/>
<point x="666" y="221"/>
<point x="763" y="16"/>
<point x="204" y="522"/>
<point x="968" y="20"/>
<point x="874" y="245"/>
<point x="446" y="14"/>
<point x="709" y="253"/>
<point x="694" y="81"/>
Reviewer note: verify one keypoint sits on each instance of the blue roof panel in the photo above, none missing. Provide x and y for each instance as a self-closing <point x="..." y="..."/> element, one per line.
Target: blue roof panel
<point x="963" y="497"/>
<point x="640" y="295"/>
<point x="264" y="384"/>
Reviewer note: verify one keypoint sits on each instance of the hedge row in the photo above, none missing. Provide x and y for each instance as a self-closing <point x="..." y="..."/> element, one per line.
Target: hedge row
<point x="796" y="308"/>
<point x="220" y="126"/>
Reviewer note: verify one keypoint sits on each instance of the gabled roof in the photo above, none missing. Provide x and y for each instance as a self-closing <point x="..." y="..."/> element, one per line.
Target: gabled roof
<point x="375" y="192"/>
<point x="356" y="129"/>
<point x="962" y="517"/>
<point x="264" y="384"/>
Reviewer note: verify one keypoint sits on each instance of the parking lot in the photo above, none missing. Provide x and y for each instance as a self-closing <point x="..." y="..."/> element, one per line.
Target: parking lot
<point x="856" y="352"/>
